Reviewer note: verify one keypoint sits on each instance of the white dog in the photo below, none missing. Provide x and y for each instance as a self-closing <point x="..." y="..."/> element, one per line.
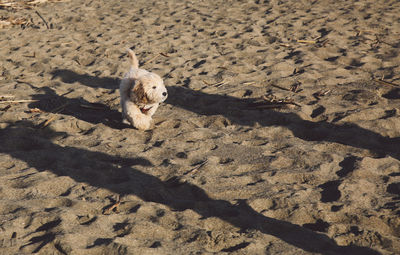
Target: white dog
<point x="141" y="94"/>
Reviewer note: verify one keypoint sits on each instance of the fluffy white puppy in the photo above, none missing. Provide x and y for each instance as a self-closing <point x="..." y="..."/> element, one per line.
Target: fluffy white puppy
<point x="141" y="93"/>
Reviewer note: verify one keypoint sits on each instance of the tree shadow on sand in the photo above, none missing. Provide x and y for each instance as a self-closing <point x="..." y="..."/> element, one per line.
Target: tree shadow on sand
<point x="26" y="142"/>
<point x="239" y="111"/>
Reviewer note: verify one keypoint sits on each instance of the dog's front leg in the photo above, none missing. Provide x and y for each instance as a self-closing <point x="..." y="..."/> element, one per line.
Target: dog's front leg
<point x="136" y="117"/>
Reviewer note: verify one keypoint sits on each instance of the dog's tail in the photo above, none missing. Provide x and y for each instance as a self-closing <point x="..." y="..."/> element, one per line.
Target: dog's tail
<point x="133" y="58"/>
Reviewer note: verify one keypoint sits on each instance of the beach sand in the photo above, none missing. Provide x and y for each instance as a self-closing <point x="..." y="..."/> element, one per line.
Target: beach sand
<point x="281" y="133"/>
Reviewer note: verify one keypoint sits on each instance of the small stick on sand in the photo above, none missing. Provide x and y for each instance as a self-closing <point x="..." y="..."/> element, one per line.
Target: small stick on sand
<point x="5" y="108"/>
<point x="321" y="93"/>
<point x="307" y="41"/>
<point x="295" y="88"/>
<point x="220" y="83"/>
<point x="215" y="84"/>
<point x="30" y="56"/>
<point x="18" y="101"/>
<point x="381" y="81"/>
<point x="279" y="87"/>
<point x="194" y="169"/>
<point x="249" y="83"/>
<point x="115" y="205"/>
<point x="91" y="107"/>
<point x="150" y="60"/>
<point x="207" y="83"/>
<point x="6" y="4"/>
<point x="156" y="56"/>
<point x="35" y="110"/>
<point x="270" y="101"/>
<point x="285" y="45"/>
<point x="60" y="108"/>
<point x="47" y="122"/>
<point x="164" y="54"/>
<point x="323" y="43"/>
<point x="6" y="96"/>
<point x="45" y="22"/>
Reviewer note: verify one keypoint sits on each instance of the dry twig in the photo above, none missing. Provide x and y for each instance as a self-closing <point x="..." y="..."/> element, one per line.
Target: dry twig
<point x="270" y="101"/>
<point x="381" y="81"/>
<point x="8" y="21"/>
<point x="113" y="206"/>
<point x="295" y="87"/>
<point x="4" y="109"/>
<point x="249" y="83"/>
<point x="321" y="93"/>
<point x="47" y="122"/>
<point x="6" y="96"/>
<point x="155" y="57"/>
<point x="40" y="16"/>
<point x="30" y="56"/>
<point x="279" y="87"/>
<point x="194" y="169"/>
<point x="18" y="101"/>
<point x="307" y="41"/>
<point x="27" y="4"/>
<point x="215" y="84"/>
<point x="324" y="42"/>
<point x="35" y="110"/>
<point x="152" y="59"/>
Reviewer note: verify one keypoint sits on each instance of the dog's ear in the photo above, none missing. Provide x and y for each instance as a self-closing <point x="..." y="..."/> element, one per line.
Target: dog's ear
<point x="139" y="95"/>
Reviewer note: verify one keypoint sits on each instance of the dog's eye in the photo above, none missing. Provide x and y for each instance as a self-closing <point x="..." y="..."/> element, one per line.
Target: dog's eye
<point x="154" y="87"/>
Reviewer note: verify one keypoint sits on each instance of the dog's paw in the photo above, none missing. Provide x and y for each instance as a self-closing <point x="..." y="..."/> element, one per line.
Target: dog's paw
<point x="142" y="123"/>
<point x="125" y="121"/>
<point x="143" y="126"/>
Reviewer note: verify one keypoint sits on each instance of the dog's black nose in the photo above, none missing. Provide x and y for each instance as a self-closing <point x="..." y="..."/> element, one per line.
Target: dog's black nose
<point x="164" y="93"/>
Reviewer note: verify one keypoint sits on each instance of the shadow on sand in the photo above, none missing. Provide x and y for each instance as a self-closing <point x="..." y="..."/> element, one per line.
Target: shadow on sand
<point x="238" y="112"/>
<point x="95" y="113"/>
<point x="28" y="143"/>
<point x="69" y="76"/>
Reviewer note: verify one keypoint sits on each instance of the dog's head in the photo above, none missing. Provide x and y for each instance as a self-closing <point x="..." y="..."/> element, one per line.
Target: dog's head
<point x="149" y="89"/>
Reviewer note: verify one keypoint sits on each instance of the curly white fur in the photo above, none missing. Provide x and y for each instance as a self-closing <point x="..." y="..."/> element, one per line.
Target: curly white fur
<point x="141" y="93"/>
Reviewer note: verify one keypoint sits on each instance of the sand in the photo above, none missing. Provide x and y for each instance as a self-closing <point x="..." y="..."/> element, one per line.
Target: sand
<point x="281" y="133"/>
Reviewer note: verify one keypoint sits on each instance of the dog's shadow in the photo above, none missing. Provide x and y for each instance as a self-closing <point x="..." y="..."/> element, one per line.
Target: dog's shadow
<point x="25" y="141"/>
<point x="68" y="76"/>
<point x="49" y="101"/>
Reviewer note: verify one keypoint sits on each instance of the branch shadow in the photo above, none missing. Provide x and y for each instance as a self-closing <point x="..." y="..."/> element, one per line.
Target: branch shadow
<point x="33" y="145"/>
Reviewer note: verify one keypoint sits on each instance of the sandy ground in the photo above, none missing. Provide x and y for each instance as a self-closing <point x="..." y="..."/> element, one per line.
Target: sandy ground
<point x="281" y="133"/>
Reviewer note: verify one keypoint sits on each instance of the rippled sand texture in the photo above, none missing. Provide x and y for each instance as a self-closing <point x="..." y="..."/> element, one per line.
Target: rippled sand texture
<point x="223" y="169"/>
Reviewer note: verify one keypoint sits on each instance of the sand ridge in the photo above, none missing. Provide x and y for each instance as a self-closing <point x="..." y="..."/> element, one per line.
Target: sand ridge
<point x="280" y="134"/>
